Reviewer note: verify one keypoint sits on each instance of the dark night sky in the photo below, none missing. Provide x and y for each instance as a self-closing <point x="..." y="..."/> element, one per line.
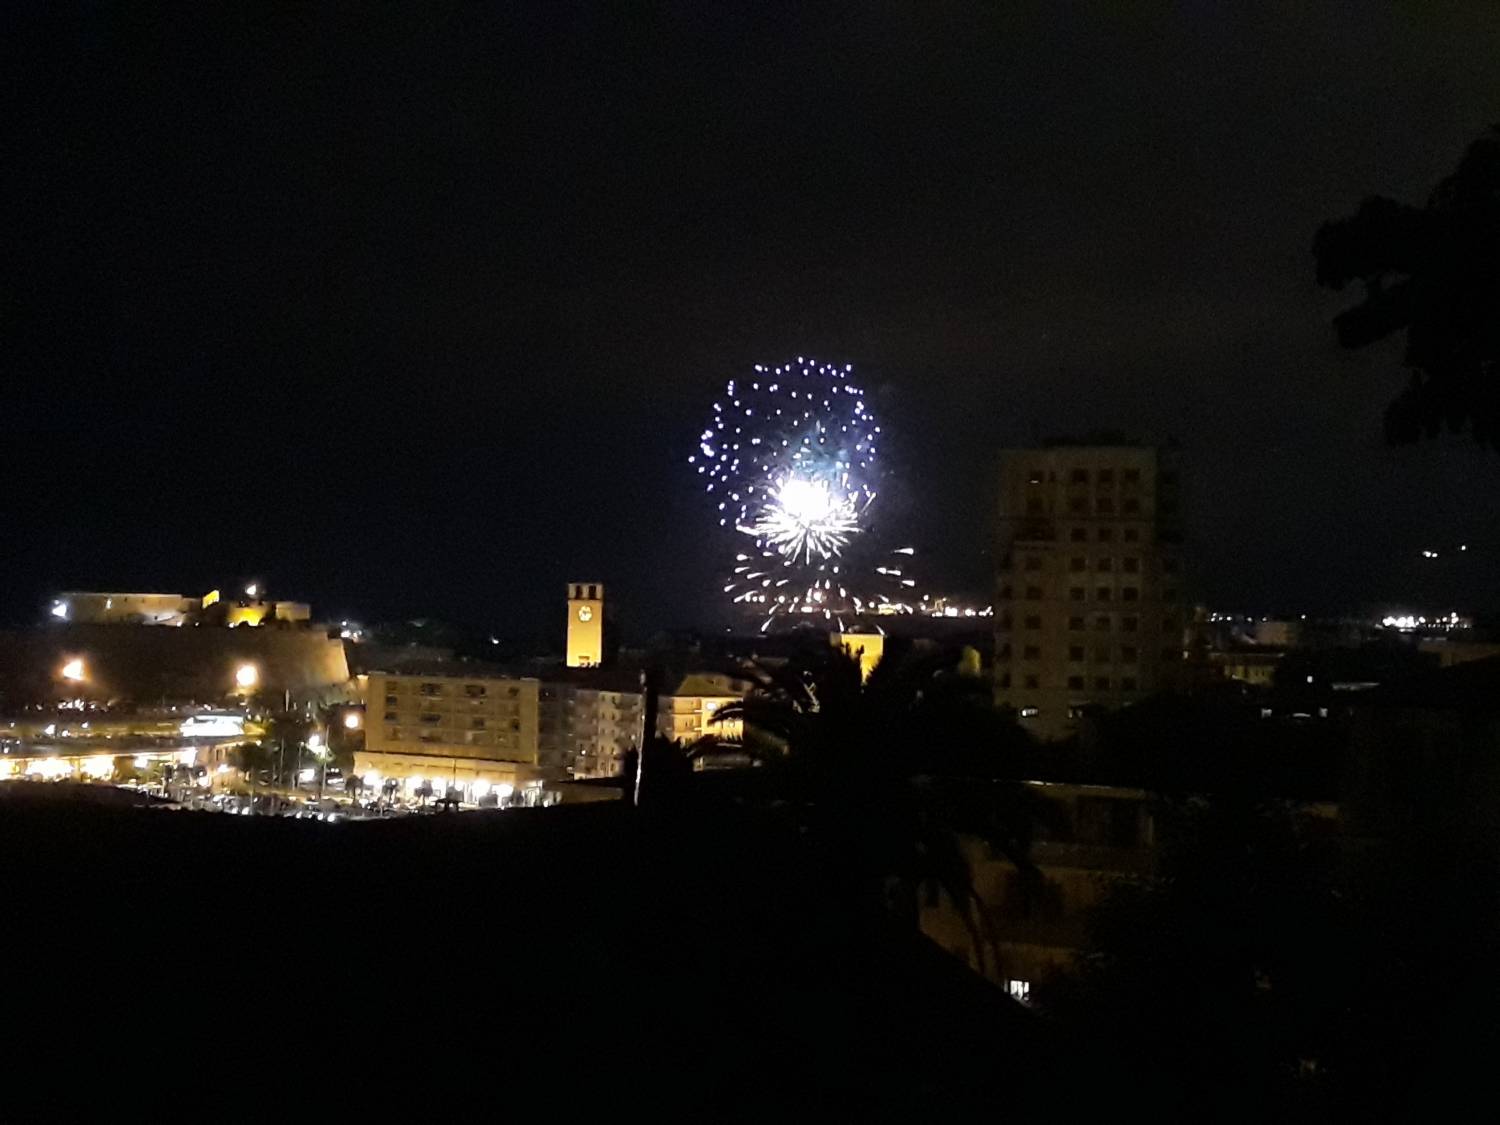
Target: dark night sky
<point x="422" y="312"/>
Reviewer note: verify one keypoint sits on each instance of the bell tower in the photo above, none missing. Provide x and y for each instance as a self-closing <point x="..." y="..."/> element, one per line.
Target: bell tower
<point x="585" y="624"/>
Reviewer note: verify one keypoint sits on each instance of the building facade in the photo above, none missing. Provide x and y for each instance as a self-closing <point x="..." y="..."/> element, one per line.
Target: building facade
<point x="1090" y="608"/>
<point x="590" y="722"/>
<point x="470" y="732"/>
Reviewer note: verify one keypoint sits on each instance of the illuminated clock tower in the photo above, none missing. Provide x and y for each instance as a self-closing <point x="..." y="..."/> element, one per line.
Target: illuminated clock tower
<point x="585" y="624"/>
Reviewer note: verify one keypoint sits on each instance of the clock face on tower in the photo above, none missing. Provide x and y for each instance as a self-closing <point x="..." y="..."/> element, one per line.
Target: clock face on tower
<point x="585" y="613"/>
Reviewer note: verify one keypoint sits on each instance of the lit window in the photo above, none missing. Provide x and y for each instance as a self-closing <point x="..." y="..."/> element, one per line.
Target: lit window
<point x="1030" y="712"/>
<point x="1019" y="990"/>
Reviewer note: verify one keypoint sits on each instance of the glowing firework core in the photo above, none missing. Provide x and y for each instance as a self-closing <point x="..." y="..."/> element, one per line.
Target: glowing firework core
<point x="804" y="520"/>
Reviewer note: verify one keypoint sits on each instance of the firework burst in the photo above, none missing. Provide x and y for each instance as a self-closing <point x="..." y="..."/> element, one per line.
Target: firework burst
<point x="790" y="458"/>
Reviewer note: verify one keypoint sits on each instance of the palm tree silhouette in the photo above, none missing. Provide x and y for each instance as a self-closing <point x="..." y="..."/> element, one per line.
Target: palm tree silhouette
<point x="892" y="770"/>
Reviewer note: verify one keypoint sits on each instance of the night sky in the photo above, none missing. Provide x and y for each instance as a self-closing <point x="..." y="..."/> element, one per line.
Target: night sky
<point x="422" y="313"/>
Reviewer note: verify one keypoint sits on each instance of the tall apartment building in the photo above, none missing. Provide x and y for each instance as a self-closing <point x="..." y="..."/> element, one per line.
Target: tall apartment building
<point x="1090" y="608"/>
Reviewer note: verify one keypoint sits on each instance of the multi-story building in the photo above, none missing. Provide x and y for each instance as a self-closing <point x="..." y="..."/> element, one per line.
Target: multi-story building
<point x="1102" y="834"/>
<point x="1090" y="609"/>
<point x="592" y="719"/>
<point x="471" y="731"/>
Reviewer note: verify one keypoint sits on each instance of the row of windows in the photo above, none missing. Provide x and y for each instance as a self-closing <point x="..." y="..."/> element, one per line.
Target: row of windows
<point x="1101" y="476"/>
<point x="398" y="734"/>
<point x="1080" y="594"/>
<point x="1103" y="654"/>
<point x="471" y="691"/>
<point x="1103" y="506"/>
<point x="1033" y="682"/>
<point x="437" y="703"/>
<point x="1104" y="563"/>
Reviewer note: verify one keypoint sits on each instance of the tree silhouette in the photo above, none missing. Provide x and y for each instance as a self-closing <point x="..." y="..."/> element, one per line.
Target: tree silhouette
<point x="1433" y="272"/>
<point x="893" y="769"/>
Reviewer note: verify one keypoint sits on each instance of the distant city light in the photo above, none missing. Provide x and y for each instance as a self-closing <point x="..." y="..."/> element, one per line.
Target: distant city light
<point x="212" y="726"/>
<point x="1428" y="553"/>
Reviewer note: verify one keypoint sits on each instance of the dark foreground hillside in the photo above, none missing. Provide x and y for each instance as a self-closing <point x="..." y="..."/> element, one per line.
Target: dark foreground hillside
<point x="696" y="959"/>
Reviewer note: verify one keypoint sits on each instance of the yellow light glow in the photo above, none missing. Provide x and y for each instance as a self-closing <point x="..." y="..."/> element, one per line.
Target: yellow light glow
<point x="246" y="676"/>
<point x="351" y="720"/>
<point x="99" y="767"/>
<point x="74" y="670"/>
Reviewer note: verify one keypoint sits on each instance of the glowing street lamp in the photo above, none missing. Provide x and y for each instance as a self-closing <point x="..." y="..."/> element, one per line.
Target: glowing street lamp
<point x="246" y="676"/>
<point x="351" y="720"/>
<point x="74" y="670"/>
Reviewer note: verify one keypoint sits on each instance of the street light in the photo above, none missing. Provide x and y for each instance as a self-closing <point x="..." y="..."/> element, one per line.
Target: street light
<point x="320" y="752"/>
<point x="351" y="720"/>
<point x="246" y="676"/>
<point x="74" y="670"/>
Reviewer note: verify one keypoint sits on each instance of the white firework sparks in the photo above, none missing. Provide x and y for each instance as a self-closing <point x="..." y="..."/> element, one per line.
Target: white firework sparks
<point x="806" y="520"/>
<point x="790" y="459"/>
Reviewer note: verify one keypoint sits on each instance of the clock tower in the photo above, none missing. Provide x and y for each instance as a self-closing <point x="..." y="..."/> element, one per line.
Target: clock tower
<point x="585" y="624"/>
